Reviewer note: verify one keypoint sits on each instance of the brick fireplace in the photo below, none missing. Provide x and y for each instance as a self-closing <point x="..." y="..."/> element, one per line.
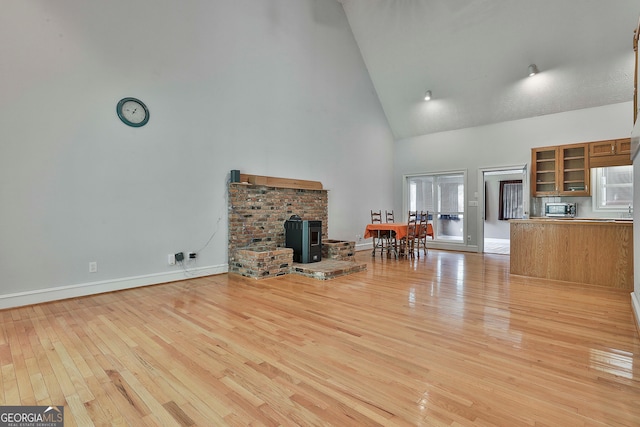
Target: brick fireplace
<point x="258" y="209"/>
<point x="257" y="214"/>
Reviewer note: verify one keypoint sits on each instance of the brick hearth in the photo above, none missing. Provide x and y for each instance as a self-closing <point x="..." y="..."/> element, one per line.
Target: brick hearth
<point x="328" y="269"/>
<point x="257" y="214"/>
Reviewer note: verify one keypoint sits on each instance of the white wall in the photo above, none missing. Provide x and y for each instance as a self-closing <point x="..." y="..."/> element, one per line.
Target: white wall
<point x="271" y="87"/>
<point x="504" y="144"/>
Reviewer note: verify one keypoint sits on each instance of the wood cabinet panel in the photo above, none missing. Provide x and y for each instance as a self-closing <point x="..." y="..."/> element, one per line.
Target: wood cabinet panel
<point x="611" y="152"/>
<point x="623" y="146"/>
<point x="602" y="148"/>
<point x="595" y="253"/>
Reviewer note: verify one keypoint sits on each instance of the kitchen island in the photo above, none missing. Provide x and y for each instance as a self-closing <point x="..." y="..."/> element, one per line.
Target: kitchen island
<point x="582" y="250"/>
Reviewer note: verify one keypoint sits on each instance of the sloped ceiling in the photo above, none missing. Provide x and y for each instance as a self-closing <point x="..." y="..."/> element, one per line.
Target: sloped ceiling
<point x="473" y="55"/>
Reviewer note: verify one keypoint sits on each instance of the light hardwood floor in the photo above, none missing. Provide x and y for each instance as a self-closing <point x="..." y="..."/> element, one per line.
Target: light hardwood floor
<point x="450" y="339"/>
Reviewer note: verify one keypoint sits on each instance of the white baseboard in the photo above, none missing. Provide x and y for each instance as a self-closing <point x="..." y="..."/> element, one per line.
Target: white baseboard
<point x="364" y="246"/>
<point x="19" y="299"/>
<point x="635" y="305"/>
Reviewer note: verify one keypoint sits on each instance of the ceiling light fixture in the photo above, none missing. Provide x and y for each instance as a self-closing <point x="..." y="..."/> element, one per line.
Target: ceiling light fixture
<point x="427" y="95"/>
<point x="533" y="70"/>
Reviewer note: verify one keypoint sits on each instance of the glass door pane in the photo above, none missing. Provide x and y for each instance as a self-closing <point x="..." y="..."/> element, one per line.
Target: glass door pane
<point x="443" y="196"/>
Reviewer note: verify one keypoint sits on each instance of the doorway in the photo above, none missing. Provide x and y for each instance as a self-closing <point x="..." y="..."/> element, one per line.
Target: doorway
<point x="504" y="195"/>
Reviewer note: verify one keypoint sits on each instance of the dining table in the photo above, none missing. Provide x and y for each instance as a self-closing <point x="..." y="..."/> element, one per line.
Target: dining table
<point x="399" y="229"/>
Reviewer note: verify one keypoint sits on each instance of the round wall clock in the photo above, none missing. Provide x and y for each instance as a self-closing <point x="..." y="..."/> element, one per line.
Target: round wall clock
<point x="132" y="112"/>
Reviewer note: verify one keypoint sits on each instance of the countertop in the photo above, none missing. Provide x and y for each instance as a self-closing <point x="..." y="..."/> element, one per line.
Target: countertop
<point x="579" y="220"/>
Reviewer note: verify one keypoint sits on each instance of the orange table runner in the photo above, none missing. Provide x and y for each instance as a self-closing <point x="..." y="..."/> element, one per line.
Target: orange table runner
<point x="399" y="228"/>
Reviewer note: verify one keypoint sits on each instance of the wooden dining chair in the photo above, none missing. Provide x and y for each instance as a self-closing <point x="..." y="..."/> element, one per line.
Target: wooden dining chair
<point x="422" y="232"/>
<point x="380" y="239"/>
<point x="385" y="240"/>
<point x="391" y="240"/>
<point x="376" y="217"/>
<point x="407" y="243"/>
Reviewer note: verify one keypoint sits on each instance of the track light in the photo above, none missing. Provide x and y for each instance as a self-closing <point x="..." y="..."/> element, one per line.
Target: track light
<point x="533" y="70"/>
<point x="427" y="95"/>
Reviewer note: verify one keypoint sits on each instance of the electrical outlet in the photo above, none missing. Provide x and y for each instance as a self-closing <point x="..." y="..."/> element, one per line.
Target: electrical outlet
<point x="171" y="259"/>
<point x="179" y="256"/>
<point x="93" y="267"/>
<point x="193" y="255"/>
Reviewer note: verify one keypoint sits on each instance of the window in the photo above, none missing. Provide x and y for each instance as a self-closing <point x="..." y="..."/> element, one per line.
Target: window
<point x="443" y="196"/>
<point x="510" y="200"/>
<point x="412" y="200"/>
<point x="613" y="189"/>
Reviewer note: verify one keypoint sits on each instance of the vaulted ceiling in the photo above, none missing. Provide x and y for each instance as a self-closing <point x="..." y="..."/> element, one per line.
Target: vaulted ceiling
<point x="473" y="55"/>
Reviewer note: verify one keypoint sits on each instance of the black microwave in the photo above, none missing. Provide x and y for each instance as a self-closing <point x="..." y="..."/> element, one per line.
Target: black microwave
<point x="560" y="209"/>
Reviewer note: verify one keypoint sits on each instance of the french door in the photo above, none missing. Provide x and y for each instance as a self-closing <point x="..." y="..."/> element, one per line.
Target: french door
<point x="442" y="194"/>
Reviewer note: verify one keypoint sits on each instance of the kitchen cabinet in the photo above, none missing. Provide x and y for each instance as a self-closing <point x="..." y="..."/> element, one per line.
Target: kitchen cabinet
<point x="560" y="170"/>
<point x="544" y="167"/>
<point x="613" y="152"/>
<point x="580" y="250"/>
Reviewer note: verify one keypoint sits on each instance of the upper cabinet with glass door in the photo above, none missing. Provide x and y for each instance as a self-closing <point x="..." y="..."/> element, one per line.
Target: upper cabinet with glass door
<point x="574" y="172"/>
<point x="560" y="170"/>
<point x="544" y="171"/>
